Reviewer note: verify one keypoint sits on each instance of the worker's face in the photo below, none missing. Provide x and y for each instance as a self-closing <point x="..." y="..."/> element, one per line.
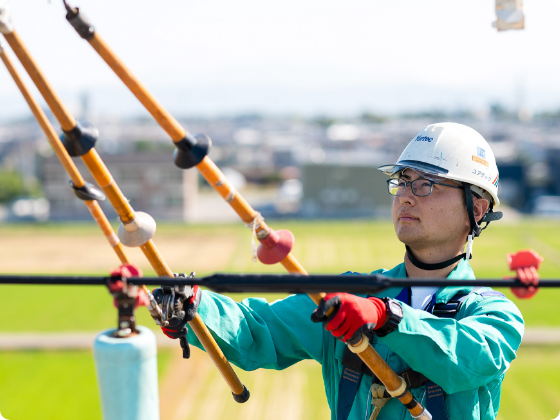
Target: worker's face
<point x="435" y="220"/>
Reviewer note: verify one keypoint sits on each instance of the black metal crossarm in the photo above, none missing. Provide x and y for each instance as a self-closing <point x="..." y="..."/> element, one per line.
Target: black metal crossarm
<point x="276" y="283"/>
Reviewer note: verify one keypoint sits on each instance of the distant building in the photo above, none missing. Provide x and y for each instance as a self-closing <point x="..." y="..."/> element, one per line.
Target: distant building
<point x="151" y="182"/>
<point x="342" y="190"/>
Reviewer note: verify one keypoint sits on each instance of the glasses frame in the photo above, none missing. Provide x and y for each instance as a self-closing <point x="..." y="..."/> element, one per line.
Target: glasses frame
<point x="407" y="183"/>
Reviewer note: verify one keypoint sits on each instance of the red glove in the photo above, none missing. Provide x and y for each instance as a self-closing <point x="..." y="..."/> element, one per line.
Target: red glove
<point x="525" y="263"/>
<point x="352" y="315"/>
<point x="128" y="270"/>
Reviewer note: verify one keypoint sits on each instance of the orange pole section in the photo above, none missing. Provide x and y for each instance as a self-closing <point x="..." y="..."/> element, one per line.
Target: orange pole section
<point x="106" y="182"/>
<point x="47" y="128"/>
<point x="169" y="124"/>
<point x="107" y="229"/>
<point x="103" y="177"/>
<point x="67" y="122"/>
<point x="66" y="160"/>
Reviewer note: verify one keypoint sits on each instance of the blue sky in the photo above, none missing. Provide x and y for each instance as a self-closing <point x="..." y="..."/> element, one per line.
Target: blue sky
<point x="311" y="57"/>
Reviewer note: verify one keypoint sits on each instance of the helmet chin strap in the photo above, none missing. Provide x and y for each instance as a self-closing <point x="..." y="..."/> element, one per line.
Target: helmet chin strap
<point x="436" y="266"/>
<point x="475" y="227"/>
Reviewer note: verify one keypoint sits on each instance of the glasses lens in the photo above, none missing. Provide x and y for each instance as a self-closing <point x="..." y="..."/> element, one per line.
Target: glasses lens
<point x="422" y="187"/>
<point x="396" y="187"/>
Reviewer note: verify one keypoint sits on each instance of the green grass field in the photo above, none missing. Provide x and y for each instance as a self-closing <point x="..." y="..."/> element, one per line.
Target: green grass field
<point x="62" y="384"/>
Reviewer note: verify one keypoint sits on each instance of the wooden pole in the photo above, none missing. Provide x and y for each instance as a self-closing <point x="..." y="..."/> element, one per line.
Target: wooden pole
<point x="66" y="160"/>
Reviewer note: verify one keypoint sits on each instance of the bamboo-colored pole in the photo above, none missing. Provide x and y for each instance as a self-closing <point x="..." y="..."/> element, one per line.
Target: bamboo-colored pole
<point x="216" y="179"/>
<point x="120" y="203"/>
<point x="66" y="160"/>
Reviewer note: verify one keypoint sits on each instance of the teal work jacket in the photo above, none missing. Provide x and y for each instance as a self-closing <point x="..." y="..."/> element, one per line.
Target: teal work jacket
<point x="467" y="356"/>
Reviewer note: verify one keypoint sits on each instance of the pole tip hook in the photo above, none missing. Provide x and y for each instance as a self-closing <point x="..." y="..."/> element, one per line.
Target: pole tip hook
<point x="71" y="11"/>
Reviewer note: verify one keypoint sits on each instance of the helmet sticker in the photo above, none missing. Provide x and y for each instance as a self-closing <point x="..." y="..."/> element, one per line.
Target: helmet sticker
<point x="480" y="152"/>
<point x="495" y="182"/>
<point x="481" y="161"/>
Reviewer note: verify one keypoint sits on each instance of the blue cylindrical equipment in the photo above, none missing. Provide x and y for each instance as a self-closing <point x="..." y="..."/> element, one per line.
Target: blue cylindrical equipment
<point x="127" y="375"/>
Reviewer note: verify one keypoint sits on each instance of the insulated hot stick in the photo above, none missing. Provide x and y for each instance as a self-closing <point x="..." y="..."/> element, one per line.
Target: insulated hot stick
<point x="275" y="246"/>
<point x="136" y="229"/>
<point x="192" y="151"/>
<point x="88" y="193"/>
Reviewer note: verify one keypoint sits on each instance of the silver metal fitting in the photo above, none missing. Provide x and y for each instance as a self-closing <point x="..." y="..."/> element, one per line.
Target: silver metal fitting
<point x="6" y="24"/>
<point x="425" y="415"/>
<point x="124" y="332"/>
<point x="155" y="311"/>
<point x="139" y="231"/>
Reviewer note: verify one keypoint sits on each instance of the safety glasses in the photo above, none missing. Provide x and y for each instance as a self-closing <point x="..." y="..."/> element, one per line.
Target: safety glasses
<point x="421" y="187"/>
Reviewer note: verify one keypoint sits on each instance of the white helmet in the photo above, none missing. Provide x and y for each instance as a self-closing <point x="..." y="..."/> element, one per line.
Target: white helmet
<point x="457" y="152"/>
<point x="452" y="151"/>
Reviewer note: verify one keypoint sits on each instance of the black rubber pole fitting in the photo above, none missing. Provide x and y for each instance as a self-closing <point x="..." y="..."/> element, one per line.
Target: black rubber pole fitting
<point x="80" y="140"/>
<point x="191" y="150"/>
<point x="81" y="24"/>
<point x="243" y="397"/>
<point x="88" y="192"/>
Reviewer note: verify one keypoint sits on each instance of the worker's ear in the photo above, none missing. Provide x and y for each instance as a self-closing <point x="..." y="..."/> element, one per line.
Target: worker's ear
<point x="480" y="208"/>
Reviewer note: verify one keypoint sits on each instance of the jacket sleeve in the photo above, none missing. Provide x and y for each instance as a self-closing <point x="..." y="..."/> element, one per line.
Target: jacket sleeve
<point x="460" y="354"/>
<point x="256" y="334"/>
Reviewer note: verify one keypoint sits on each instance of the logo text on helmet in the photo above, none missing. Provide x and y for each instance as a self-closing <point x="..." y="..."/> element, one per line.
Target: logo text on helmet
<point x="423" y="138"/>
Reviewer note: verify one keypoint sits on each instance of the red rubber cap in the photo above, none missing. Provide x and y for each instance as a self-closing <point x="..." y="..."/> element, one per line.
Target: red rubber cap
<point x="127" y="270"/>
<point x="276" y="246"/>
<point x="524" y="258"/>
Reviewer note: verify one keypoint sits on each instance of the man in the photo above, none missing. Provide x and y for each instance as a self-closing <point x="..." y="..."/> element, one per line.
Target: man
<point x="452" y="345"/>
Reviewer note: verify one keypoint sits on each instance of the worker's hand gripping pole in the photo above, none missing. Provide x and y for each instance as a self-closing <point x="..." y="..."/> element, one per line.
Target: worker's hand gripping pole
<point x="395" y="385"/>
<point x="192" y="151"/>
<point x="135" y="229"/>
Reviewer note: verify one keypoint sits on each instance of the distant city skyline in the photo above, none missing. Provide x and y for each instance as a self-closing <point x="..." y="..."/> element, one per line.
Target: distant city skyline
<point x="310" y="58"/>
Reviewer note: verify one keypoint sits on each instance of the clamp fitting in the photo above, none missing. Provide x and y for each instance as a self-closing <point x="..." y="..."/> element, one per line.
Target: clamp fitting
<point x="139" y="231"/>
<point x="88" y="192"/>
<point x="276" y="246"/>
<point x="191" y="150"/>
<point x="125" y="297"/>
<point x="80" y="140"/>
<point x="6" y="24"/>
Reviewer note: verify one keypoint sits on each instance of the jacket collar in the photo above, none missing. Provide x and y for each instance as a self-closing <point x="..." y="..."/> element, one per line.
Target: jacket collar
<point x="463" y="271"/>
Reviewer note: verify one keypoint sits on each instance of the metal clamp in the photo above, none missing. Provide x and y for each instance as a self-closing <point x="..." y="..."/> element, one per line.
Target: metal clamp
<point x="6" y="24"/>
<point x="80" y="23"/>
